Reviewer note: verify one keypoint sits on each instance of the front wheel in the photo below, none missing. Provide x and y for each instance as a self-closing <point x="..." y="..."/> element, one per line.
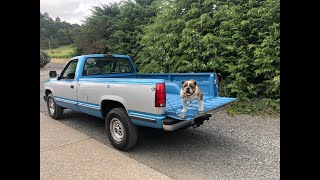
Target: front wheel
<point x="54" y="110"/>
<point x="122" y="134"/>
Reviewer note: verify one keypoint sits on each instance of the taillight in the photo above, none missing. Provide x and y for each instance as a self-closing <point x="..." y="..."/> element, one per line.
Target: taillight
<point x="160" y="99"/>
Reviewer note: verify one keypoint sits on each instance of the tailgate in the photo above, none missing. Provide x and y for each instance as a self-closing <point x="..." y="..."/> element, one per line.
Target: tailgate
<point x="174" y="104"/>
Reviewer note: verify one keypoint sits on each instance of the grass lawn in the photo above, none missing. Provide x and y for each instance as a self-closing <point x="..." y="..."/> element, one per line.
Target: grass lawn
<point x="61" y="52"/>
<point x="59" y="60"/>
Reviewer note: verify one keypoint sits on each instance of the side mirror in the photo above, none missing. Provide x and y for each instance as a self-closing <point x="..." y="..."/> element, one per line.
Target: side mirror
<point x="53" y="74"/>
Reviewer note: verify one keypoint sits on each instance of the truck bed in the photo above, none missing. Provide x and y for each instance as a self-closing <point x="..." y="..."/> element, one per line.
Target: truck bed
<point x="207" y="82"/>
<point x="174" y="105"/>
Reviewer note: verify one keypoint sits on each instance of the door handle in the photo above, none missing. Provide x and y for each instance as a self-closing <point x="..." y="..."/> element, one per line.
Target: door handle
<point x="72" y="86"/>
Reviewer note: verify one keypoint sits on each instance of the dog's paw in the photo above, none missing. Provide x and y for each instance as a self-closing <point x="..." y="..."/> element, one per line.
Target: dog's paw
<point x="200" y="110"/>
<point x="184" y="110"/>
<point x="190" y="105"/>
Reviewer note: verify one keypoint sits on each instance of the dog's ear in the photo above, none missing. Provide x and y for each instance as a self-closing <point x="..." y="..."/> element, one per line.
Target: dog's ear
<point x="195" y="83"/>
<point x="182" y="82"/>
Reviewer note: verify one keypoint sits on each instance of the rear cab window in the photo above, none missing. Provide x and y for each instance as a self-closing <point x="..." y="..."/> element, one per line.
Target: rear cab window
<point x="106" y="65"/>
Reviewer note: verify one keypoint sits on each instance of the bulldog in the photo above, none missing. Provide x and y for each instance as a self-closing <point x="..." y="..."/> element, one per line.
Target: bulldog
<point x="190" y="91"/>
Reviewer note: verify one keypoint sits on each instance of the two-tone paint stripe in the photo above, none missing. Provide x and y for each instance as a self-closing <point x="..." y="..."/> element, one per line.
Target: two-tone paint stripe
<point x="147" y="117"/>
<point x="90" y="106"/>
<point x="68" y="101"/>
<point x="150" y="120"/>
<point x="82" y="104"/>
<point x="136" y="115"/>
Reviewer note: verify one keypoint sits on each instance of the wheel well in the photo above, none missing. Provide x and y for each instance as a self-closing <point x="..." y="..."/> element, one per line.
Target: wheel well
<point x="107" y="105"/>
<point x="47" y="92"/>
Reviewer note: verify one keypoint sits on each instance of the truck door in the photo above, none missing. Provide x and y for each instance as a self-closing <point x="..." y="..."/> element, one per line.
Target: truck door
<point x="65" y="93"/>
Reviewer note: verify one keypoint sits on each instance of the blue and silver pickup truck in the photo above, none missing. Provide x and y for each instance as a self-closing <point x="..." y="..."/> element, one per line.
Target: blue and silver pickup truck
<point x="109" y="87"/>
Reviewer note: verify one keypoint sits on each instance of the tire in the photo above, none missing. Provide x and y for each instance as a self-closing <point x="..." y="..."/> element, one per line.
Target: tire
<point x="55" y="111"/>
<point x="122" y="134"/>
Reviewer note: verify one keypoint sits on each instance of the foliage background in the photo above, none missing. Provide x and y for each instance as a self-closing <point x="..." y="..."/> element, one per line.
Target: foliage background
<point x="57" y="32"/>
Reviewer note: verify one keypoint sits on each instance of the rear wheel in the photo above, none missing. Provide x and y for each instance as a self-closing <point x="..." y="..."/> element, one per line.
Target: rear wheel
<point x="122" y="134"/>
<point x="55" y="111"/>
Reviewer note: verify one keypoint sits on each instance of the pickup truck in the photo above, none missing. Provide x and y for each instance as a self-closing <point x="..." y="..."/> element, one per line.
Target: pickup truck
<point x="109" y="87"/>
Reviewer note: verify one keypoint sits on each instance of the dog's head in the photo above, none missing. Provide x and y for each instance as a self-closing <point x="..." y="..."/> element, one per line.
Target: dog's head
<point x="189" y="87"/>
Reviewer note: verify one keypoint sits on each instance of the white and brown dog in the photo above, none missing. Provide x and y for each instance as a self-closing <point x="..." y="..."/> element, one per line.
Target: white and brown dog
<point x="190" y="91"/>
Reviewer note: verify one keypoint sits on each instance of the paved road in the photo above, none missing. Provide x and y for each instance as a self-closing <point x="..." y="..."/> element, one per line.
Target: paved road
<point x="242" y="147"/>
<point x="66" y="153"/>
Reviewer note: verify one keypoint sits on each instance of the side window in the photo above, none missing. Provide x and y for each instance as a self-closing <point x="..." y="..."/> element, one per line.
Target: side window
<point x="70" y="70"/>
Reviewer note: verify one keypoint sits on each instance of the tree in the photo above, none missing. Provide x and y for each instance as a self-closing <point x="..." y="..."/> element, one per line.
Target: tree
<point x="58" y="19"/>
<point x="57" y="32"/>
<point x="95" y="34"/>
<point x="115" y="28"/>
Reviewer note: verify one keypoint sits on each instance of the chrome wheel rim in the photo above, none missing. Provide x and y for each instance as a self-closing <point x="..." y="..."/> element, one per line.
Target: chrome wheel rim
<point x="51" y="106"/>
<point x="116" y="129"/>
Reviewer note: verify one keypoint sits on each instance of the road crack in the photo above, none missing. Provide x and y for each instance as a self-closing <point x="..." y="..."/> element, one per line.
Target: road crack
<point x="63" y="145"/>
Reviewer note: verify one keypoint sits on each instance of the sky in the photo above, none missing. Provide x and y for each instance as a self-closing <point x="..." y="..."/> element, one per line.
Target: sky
<point x="72" y="11"/>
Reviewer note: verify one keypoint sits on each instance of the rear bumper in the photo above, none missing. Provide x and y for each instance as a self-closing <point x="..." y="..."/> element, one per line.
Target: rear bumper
<point x="173" y="124"/>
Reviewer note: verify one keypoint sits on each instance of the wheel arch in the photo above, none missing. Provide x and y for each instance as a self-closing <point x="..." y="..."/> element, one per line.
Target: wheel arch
<point x="47" y="92"/>
<point x="111" y="102"/>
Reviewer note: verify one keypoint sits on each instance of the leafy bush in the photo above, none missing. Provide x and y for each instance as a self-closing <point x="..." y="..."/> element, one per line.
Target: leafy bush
<point x="240" y="39"/>
<point x="77" y="52"/>
<point x="44" y="59"/>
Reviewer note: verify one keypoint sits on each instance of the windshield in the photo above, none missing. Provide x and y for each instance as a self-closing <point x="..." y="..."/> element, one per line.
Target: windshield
<point x="107" y="65"/>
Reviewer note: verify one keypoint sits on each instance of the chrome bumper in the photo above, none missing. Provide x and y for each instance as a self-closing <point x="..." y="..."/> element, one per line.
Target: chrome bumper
<point x="176" y="126"/>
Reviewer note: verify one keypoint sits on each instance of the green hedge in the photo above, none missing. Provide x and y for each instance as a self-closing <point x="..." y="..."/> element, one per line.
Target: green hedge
<point x="44" y="59"/>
